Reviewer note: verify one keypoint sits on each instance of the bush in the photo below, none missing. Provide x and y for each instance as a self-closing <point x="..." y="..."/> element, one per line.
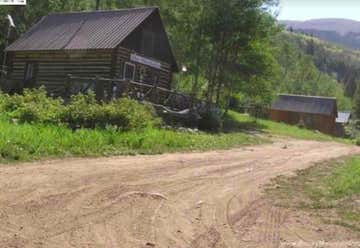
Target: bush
<point x="128" y="114"/>
<point x="33" y="106"/>
<point x="124" y="114"/>
<point x="83" y="111"/>
<point x="211" y="119"/>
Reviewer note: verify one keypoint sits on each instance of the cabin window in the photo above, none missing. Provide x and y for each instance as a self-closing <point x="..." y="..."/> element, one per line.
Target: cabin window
<point x="129" y="71"/>
<point x="142" y="73"/>
<point x="148" y="41"/>
<point x="30" y="71"/>
<point x="30" y="74"/>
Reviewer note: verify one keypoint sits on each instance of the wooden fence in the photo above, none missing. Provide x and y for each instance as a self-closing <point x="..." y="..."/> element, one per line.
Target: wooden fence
<point x="106" y="89"/>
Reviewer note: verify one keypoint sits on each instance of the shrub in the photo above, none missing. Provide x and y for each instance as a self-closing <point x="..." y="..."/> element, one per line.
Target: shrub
<point x="10" y="104"/>
<point x="124" y="114"/>
<point x="211" y="119"/>
<point x="83" y="111"/>
<point x="33" y="106"/>
<point x="128" y="114"/>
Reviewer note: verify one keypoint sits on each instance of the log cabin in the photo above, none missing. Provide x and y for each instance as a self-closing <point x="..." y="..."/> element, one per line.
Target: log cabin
<point x="313" y="112"/>
<point x="127" y="44"/>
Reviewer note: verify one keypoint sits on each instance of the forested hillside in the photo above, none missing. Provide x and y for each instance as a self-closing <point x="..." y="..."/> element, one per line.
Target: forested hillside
<point x="341" y="31"/>
<point x="232" y="49"/>
<point x="309" y="66"/>
<point x="341" y="63"/>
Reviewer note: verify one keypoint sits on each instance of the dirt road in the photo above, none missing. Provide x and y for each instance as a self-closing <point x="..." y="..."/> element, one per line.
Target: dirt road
<point x="197" y="200"/>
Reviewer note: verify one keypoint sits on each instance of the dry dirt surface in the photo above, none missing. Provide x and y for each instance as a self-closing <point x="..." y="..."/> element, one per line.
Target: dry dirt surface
<point x="196" y="200"/>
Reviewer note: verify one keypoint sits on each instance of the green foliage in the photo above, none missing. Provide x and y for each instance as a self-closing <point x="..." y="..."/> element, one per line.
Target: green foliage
<point x="124" y="114"/>
<point x="37" y="141"/>
<point x="352" y="130"/>
<point x="300" y="75"/>
<point x="130" y="114"/>
<point x="345" y="180"/>
<point x="357" y="101"/>
<point x="83" y="111"/>
<point x="33" y="106"/>
<point x="339" y="62"/>
<point x="331" y="185"/>
<point x="211" y="120"/>
<point x="237" y="122"/>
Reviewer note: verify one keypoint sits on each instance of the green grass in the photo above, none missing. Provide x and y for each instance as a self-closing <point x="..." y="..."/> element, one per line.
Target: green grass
<point x="236" y="121"/>
<point x="25" y="142"/>
<point x="345" y="180"/>
<point x="330" y="189"/>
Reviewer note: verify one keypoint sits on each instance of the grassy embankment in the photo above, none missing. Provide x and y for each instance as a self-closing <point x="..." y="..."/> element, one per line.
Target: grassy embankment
<point x="34" y="141"/>
<point x="245" y="122"/>
<point x="21" y="141"/>
<point x="330" y="190"/>
<point x="25" y="142"/>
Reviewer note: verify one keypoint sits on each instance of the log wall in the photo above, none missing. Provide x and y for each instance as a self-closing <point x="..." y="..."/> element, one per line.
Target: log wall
<point x="53" y="67"/>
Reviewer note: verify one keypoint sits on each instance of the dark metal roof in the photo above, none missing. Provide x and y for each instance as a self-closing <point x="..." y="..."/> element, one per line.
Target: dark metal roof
<point x="81" y="30"/>
<point x="306" y="104"/>
<point x="343" y="117"/>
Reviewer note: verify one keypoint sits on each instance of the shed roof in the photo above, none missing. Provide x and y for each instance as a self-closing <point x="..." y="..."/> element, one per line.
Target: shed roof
<point x="343" y="117"/>
<point x="82" y="30"/>
<point x="306" y="104"/>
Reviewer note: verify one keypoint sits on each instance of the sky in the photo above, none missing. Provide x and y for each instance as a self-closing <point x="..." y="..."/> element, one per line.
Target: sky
<point x="315" y="9"/>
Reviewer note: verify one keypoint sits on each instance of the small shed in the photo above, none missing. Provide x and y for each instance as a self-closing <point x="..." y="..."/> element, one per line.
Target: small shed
<point x="122" y="44"/>
<point x="313" y="112"/>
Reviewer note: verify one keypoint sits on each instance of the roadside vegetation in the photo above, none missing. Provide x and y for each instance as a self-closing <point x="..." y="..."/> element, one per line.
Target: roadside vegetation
<point x="34" y="126"/>
<point x="236" y="121"/>
<point x="82" y="111"/>
<point x="331" y="190"/>
<point x="25" y="142"/>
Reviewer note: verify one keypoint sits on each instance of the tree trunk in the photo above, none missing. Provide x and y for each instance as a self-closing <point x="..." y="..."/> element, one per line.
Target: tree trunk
<point x="194" y="90"/>
<point x="97" y="4"/>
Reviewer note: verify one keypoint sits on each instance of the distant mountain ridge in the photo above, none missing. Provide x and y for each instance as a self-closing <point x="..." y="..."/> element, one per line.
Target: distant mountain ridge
<point x="345" y="32"/>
